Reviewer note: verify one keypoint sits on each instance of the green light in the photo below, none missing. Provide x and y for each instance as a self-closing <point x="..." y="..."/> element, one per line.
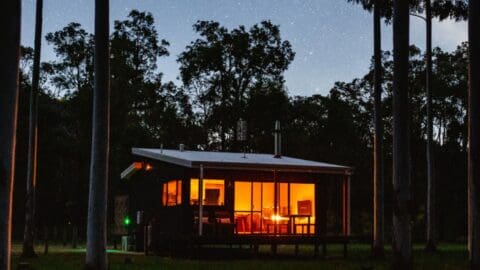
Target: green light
<point x="126" y="221"/>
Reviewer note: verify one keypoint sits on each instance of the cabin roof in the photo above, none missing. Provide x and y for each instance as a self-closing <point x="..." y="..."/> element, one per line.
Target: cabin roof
<point x="230" y="160"/>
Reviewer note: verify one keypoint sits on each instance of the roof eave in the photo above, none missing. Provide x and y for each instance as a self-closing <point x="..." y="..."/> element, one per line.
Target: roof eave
<point x="279" y="168"/>
<point x="160" y="157"/>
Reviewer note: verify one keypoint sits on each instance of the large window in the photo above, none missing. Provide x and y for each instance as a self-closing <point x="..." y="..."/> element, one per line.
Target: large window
<point x="172" y="193"/>
<point x="255" y="207"/>
<point x="213" y="191"/>
<point x="302" y="207"/>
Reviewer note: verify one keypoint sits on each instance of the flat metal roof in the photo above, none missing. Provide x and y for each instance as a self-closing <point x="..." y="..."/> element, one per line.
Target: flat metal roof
<point x="230" y="160"/>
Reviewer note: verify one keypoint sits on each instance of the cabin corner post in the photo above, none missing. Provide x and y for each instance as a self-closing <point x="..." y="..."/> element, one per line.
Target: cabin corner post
<point x="187" y="211"/>
<point x="346" y="205"/>
<point x="275" y="199"/>
<point x="200" y="201"/>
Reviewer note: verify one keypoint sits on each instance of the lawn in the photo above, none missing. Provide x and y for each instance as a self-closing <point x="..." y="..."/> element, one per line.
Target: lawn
<point x="451" y="257"/>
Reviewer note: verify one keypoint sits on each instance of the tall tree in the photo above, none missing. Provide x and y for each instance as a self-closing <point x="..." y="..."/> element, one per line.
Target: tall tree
<point x="72" y="75"/>
<point x="381" y="8"/>
<point x="474" y="134"/>
<point x="96" y="257"/>
<point x="378" y="179"/>
<point x="10" y="54"/>
<point x="74" y="46"/>
<point x="402" y="235"/>
<point x="224" y="65"/>
<point x="430" y="209"/>
<point x="28" y="250"/>
<point x="442" y="9"/>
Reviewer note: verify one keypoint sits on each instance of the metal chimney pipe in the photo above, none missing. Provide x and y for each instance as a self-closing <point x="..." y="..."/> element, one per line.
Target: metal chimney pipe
<point x="278" y="140"/>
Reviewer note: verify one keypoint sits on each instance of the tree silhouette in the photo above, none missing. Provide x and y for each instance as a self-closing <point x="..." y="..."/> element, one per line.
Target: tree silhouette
<point x="96" y="257"/>
<point x="223" y="66"/>
<point x="402" y="235"/>
<point x="474" y="135"/>
<point x="10" y="54"/>
<point x="381" y="8"/>
<point x="28" y="250"/>
<point x="378" y="190"/>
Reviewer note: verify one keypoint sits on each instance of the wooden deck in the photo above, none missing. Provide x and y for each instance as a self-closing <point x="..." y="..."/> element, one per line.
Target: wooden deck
<point x="182" y="243"/>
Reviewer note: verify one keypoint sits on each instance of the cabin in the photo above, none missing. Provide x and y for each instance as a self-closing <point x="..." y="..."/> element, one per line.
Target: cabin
<point x="233" y="198"/>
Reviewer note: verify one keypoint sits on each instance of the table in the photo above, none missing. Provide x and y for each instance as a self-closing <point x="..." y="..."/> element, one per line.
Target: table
<point x="278" y="223"/>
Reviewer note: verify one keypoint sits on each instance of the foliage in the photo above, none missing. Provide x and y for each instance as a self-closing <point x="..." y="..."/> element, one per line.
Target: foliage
<point x="227" y="75"/>
<point x="442" y="9"/>
<point x="222" y="67"/>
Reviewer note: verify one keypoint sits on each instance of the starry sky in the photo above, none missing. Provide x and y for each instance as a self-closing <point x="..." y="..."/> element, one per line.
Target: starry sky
<point x="332" y="38"/>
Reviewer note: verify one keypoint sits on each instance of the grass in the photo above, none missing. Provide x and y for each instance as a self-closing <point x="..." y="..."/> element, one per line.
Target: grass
<point x="449" y="257"/>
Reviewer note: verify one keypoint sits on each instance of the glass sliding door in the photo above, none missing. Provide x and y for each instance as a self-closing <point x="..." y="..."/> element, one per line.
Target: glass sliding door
<point x="253" y="202"/>
<point x="255" y="211"/>
<point x="243" y="207"/>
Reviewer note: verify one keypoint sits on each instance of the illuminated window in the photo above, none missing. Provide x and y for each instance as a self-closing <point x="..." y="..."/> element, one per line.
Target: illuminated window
<point x="213" y="191"/>
<point x="172" y="193"/>
<point x="254" y="207"/>
<point x="302" y="198"/>
<point x="302" y="205"/>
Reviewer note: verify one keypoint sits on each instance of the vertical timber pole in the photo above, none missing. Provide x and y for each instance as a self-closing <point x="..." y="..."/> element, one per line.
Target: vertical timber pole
<point x="200" y="201"/>
<point x="346" y="205"/>
<point x="275" y="201"/>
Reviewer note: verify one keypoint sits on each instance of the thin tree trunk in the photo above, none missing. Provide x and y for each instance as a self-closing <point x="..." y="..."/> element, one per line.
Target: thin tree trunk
<point x="9" y="55"/>
<point x="46" y="236"/>
<point x="28" y="250"/>
<point x="96" y="257"/>
<point x="64" y="235"/>
<point x="74" y="236"/>
<point x="431" y="245"/>
<point x="474" y="135"/>
<point x="402" y="243"/>
<point x="378" y="186"/>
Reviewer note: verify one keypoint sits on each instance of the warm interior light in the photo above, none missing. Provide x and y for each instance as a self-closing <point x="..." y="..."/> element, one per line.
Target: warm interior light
<point x="213" y="191"/>
<point x="148" y="167"/>
<point x="278" y="218"/>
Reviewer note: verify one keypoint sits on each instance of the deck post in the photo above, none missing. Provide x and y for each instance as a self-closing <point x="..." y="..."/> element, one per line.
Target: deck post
<point x="346" y="205"/>
<point x="200" y="201"/>
<point x="275" y="201"/>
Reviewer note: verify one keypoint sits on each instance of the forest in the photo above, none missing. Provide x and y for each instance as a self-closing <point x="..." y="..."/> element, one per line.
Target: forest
<point x="241" y="82"/>
<point x="409" y="128"/>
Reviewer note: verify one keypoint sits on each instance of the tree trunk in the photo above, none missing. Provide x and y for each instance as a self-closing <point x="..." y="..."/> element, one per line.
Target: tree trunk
<point x="96" y="257"/>
<point x="378" y="186"/>
<point x="28" y="250"/>
<point x="9" y="53"/>
<point x="431" y="245"/>
<point x="46" y="236"/>
<point x="402" y="243"/>
<point x="474" y="135"/>
<point x="74" y="236"/>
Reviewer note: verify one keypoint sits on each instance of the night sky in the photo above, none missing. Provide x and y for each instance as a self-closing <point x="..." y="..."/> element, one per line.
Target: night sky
<point x="332" y="38"/>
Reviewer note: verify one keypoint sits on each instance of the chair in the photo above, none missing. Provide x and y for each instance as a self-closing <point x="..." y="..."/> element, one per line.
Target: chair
<point x="304" y="210"/>
<point x="212" y="196"/>
<point x="304" y="207"/>
<point x="223" y="222"/>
